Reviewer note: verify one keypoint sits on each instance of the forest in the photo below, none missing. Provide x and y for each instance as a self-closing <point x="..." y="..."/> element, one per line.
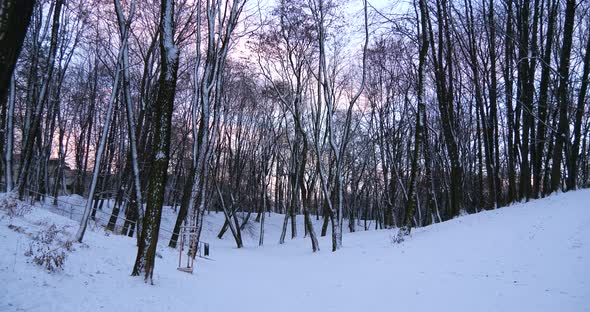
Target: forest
<point x="403" y="113"/>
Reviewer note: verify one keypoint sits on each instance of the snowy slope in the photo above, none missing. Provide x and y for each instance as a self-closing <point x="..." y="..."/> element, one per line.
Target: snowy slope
<point x="527" y="257"/>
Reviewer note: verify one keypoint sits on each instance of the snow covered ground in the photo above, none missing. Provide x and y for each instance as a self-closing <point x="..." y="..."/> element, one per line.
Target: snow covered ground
<point x="527" y="257"/>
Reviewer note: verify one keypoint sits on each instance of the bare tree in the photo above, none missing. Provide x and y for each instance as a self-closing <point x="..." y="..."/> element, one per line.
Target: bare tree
<point x="146" y="250"/>
<point x="564" y="68"/>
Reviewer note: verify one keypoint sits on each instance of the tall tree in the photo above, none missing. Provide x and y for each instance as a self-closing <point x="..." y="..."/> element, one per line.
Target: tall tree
<point x="220" y="27"/>
<point x="540" y="139"/>
<point x="572" y="161"/>
<point x="124" y="32"/>
<point x="120" y="67"/>
<point x="562" y="134"/>
<point x="420" y="112"/>
<point x="169" y="53"/>
<point x="442" y="58"/>
<point x="326" y="78"/>
<point x="35" y="126"/>
<point x="509" y="43"/>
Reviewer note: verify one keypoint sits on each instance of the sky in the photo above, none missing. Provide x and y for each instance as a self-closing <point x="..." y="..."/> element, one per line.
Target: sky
<point x="257" y="9"/>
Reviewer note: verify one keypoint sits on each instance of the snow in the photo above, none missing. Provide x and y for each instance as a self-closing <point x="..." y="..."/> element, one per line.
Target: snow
<point x="168" y="38"/>
<point x="526" y="257"/>
<point x="160" y="155"/>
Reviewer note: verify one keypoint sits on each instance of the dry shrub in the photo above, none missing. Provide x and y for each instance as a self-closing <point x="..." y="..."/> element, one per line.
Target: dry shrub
<point x="12" y="206"/>
<point x="48" y="248"/>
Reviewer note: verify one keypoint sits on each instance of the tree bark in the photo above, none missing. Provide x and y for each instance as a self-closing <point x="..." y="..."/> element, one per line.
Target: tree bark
<point x="146" y="250"/>
<point x="15" y="16"/>
<point x="575" y="150"/>
<point x="564" y="67"/>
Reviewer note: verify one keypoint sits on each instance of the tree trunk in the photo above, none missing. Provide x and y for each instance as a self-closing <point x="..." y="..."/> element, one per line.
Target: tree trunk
<point x="540" y="139"/>
<point x="564" y="67"/>
<point x="575" y="150"/>
<point x="15" y="16"/>
<point x="10" y="136"/>
<point x="34" y="130"/>
<point x="508" y="77"/>
<point x="146" y="250"/>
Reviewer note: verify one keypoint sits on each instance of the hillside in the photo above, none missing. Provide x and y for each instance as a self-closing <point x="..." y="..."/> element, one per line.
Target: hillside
<point x="526" y="257"/>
